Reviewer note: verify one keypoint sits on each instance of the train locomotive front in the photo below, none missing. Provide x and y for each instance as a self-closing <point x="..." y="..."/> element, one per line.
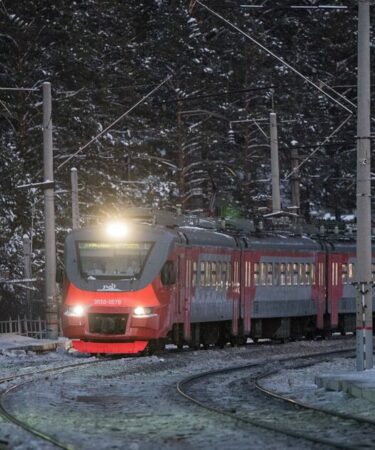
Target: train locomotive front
<point x="114" y="299"/>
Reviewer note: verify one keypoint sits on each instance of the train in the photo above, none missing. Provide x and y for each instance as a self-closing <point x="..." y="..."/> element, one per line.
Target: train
<point x="155" y="278"/>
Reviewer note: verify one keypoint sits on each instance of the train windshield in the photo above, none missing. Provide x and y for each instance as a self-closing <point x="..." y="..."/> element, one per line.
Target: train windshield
<point x="112" y="259"/>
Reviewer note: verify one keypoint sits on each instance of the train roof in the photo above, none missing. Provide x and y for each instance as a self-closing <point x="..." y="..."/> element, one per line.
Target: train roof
<point x="282" y="241"/>
<point x="202" y="237"/>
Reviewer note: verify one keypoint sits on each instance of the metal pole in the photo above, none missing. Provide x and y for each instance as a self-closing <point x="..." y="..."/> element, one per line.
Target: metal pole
<point x="75" y="204"/>
<point x="276" y="205"/>
<point x="49" y="212"/>
<point x="296" y="202"/>
<point x="27" y="269"/>
<point x="363" y="266"/>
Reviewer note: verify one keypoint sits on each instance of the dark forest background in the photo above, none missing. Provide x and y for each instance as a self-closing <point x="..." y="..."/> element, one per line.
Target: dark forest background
<point x="102" y="56"/>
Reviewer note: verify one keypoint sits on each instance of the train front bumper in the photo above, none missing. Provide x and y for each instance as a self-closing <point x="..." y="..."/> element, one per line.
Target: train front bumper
<point x="121" y="325"/>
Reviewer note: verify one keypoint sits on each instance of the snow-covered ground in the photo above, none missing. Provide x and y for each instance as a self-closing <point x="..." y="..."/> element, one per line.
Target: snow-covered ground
<point x="300" y="385"/>
<point x="132" y="402"/>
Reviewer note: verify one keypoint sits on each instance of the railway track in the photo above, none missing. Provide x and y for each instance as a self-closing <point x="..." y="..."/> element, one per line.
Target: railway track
<point x="253" y="405"/>
<point x="28" y="377"/>
<point x="18" y="381"/>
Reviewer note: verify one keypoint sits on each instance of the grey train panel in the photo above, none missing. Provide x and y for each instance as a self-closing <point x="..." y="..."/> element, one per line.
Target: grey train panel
<point x="347" y="305"/>
<point x="284" y="293"/>
<point x="209" y="305"/>
<point x="283" y="308"/>
<point x="211" y="311"/>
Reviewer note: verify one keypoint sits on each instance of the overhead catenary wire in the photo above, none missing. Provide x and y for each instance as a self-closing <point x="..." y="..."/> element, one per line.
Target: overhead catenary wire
<point x="335" y="131"/>
<point x="271" y="53"/>
<point x="115" y="122"/>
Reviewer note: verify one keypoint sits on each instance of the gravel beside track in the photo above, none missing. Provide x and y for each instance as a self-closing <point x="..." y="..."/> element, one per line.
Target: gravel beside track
<point x="132" y="403"/>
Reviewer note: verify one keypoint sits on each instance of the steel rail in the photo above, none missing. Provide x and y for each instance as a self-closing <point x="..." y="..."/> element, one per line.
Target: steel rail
<point x="25" y="426"/>
<point x="303" y="405"/>
<point x="250" y="421"/>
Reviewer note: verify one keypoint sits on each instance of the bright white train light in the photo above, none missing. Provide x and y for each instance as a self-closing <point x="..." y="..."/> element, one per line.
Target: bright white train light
<point x="117" y="230"/>
<point x="140" y="311"/>
<point x="75" y="311"/>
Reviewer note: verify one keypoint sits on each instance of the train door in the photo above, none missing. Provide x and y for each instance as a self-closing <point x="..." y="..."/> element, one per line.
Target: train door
<point x="188" y="293"/>
<point x="235" y="291"/>
<point x="181" y="285"/>
<point x="318" y="278"/>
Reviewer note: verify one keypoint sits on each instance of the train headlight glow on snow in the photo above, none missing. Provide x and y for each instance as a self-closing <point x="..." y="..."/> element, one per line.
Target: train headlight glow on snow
<point x="75" y="311"/>
<point x="142" y="311"/>
<point x="117" y="230"/>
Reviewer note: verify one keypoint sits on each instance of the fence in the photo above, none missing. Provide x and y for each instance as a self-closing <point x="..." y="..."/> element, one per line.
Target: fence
<point x="24" y="327"/>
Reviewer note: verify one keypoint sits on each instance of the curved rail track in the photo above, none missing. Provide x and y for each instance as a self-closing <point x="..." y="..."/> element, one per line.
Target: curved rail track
<point x="32" y="374"/>
<point x="278" y="413"/>
<point x="20" y="380"/>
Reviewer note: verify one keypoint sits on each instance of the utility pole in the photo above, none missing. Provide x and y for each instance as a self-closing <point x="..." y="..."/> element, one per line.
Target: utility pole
<point x="75" y="204"/>
<point x="49" y="213"/>
<point x="27" y="269"/>
<point x="364" y="355"/>
<point x="275" y="175"/>
<point x="296" y="199"/>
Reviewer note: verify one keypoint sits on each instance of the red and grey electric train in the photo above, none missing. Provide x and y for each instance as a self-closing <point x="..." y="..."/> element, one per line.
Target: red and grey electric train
<point x="143" y="284"/>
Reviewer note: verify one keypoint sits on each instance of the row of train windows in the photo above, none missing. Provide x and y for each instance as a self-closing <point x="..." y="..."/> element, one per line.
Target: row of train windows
<point x="219" y="274"/>
<point x="347" y="273"/>
<point x="283" y="274"/>
<point x="212" y="274"/>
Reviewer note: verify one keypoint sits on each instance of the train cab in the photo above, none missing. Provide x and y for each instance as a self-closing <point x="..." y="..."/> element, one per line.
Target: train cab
<point x="115" y="300"/>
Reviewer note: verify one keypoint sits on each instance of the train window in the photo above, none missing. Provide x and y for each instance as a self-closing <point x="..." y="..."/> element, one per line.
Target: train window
<point x="229" y="275"/>
<point x="202" y="273"/>
<point x="263" y="274"/>
<point x="321" y="274"/>
<point x="301" y="274"/>
<point x="308" y="273"/>
<point x="344" y="273"/>
<point x="223" y="275"/>
<point x="350" y="271"/>
<point x="289" y="268"/>
<point x="194" y="278"/>
<point x="282" y="274"/>
<point x="213" y="274"/>
<point x="269" y="274"/>
<point x="312" y="276"/>
<point x="207" y="270"/>
<point x="168" y="273"/>
<point x="110" y="260"/>
<point x="335" y="274"/>
<point x="276" y="274"/>
<point x="256" y="274"/>
<point x="247" y="274"/>
<point x="218" y="274"/>
<point x="295" y="274"/>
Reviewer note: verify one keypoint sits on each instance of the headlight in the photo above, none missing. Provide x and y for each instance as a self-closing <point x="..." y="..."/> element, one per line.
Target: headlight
<point x="75" y="311"/>
<point x="117" y="230"/>
<point x="142" y="311"/>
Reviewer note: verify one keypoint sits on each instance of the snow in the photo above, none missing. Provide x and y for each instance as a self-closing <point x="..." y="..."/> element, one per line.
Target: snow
<point x="132" y="402"/>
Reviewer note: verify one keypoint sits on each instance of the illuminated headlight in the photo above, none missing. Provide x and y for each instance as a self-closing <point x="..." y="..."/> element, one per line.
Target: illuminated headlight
<point x="141" y="311"/>
<point x="117" y="230"/>
<point x="75" y="311"/>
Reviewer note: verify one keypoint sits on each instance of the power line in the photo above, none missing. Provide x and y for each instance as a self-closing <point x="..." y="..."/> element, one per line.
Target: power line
<point x="302" y="7"/>
<point x="199" y="97"/>
<point x="274" y="55"/>
<point x="335" y="131"/>
<point x="116" y="121"/>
